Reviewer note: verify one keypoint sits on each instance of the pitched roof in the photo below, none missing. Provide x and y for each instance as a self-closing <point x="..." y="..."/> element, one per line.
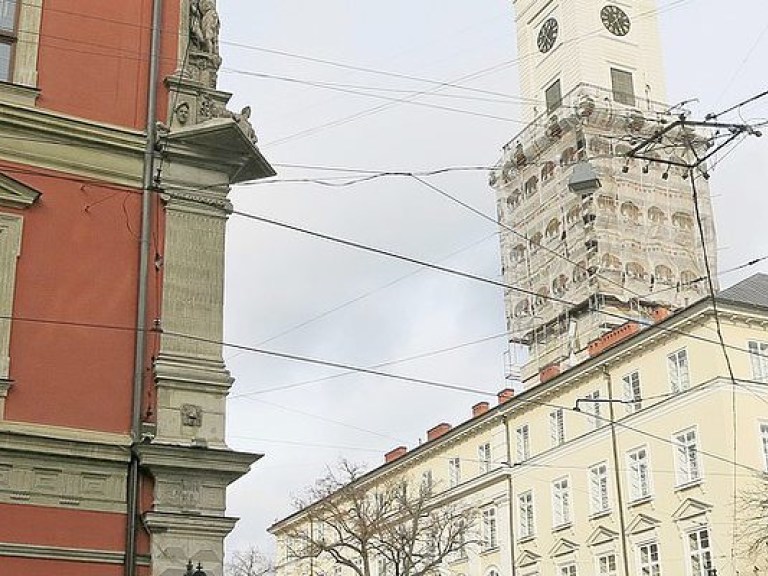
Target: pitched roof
<point x="752" y="291"/>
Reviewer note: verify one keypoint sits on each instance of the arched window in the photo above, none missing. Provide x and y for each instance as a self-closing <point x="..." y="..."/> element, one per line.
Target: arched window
<point x="522" y="309"/>
<point x="514" y="198"/>
<point x="553" y="229"/>
<point x="542" y="297"/>
<point x="580" y="272"/>
<point x="635" y="270"/>
<point x="682" y="220"/>
<point x="631" y="212"/>
<point x="610" y="262"/>
<point x="688" y="278"/>
<point x="518" y="253"/>
<point x="560" y="285"/>
<point x="656" y="215"/>
<point x="606" y="202"/>
<point x="663" y="274"/>
<point x="573" y="215"/>
<point x="531" y="186"/>
<point x="547" y="171"/>
<point x="535" y="241"/>
<point x="568" y="156"/>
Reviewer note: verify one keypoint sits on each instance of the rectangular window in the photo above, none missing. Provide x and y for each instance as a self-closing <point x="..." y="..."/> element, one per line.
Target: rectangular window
<point x="454" y="472"/>
<point x="686" y="457"/>
<point x="699" y="552"/>
<point x="556" y="427"/>
<point x="525" y="504"/>
<point x="554" y="96"/>
<point x="623" y="87"/>
<point x="606" y="565"/>
<point x="639" y="474"/>
<point x="489" y="529"/>
<point x="523" y="443"/>
<point x="758" y="354"/>
<point x="764" y="441"/>
<point x="598" y="488"/>
<point x="595" y="409"/>
<point x="568" y="569"/>
<point x="381" y="567"/>
<point x="648" y="559"/>
<point x="337" y="570"/>
<point x="7" y="37"/>
<point x="426" y="481"/>
<point x="484" y="456"/>
<point x="632" y="394"/>
<point x="561" y="503"/>
<point x="679" y="373"/>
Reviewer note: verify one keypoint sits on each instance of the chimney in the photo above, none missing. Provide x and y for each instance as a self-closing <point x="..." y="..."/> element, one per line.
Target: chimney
<point x="393" y="455"/>
<point x="480" y="408"/>
<point x="438" y="431"/>
<point x="660" y="313"/>
<point x="505" y="395"/>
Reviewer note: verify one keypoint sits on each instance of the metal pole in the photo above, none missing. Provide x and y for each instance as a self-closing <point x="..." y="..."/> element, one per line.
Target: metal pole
<point x="132" y="500"/>
<point x="617" y="474"/>
<point x="511" y="492"/>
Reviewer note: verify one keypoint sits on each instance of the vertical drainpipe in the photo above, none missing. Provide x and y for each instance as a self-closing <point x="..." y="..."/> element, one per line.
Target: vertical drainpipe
<point x="511" y="495"/>
<point x="617" y="474"/>
<point x="132" y="499"/>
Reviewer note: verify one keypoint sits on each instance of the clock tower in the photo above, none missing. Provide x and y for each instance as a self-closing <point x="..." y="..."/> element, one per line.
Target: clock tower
<point x="596" y="244"/>
<point x="606" y="43"/>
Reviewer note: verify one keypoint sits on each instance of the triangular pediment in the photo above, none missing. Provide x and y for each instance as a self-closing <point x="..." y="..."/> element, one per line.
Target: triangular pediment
<point x="16" y="194"/>
<point x="601" y="535"/>
<point x="527" y="558"/>
<point x="641" y="523"/>
<point x="691" y="507"/>
<point x="563" y="546"/>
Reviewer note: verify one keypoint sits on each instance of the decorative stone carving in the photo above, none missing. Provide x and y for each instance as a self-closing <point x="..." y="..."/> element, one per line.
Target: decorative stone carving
<point x="191" y="415"/>
<point x="204" y="25"/>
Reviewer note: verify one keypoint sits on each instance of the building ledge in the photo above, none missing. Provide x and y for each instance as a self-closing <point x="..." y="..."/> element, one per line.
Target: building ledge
<point x="18" y="94"/>
<point x="688" y="485"/>
<point x="640" y="501"/>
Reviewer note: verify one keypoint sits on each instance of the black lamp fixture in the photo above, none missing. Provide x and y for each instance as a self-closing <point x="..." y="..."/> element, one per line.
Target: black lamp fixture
<point x="191" y="570"/>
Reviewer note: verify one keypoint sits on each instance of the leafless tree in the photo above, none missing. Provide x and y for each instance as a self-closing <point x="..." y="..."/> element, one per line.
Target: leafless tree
<point x="752" y="526"/>
<point x="396" y="524"/>
<point x="250" y="562"/>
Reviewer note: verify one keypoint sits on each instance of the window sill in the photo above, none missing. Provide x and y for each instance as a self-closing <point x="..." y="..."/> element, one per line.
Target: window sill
<point x="562" y="527"/>
<point x="689" y="484"/>
<point x="526" y="539"/>
<point x="640" y="501"/>
<point x="600" y="514"/>
<point x="18" y="94"/>
<point x="486" y="551"/>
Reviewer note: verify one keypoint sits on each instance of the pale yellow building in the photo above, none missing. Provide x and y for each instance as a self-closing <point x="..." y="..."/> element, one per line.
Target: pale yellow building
<point x="642" y="481"/>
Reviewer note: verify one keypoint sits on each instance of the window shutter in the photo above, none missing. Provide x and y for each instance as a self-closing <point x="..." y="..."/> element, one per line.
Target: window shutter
<point x="623" y="88"/>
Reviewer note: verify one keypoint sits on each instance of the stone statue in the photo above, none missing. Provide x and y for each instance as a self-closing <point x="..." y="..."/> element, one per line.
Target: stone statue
<point x="196" y="25"/>
<point x="244" y="122"/>
<point x="210" y="25"/>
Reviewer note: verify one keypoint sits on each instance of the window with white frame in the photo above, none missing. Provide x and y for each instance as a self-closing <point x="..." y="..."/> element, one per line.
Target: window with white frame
<point x="556" y="427"/>
<point x="490" y="539"/>
<point x="426" y="481"/>
<point x="598" y="488"/>
<point x="764" y="443"/>
<point x="7" y="37"/>
<point x="595" y="408"/>
<point x="687" y="464"/>
<point x="567" y="569"/>
<point x="639" y="474"/>
<point x="454" y="472"/>
<point x="337" y="570"/>
<point x="699" y="552"/>
<point x="606" y="565"/>
<point x="758" y="355"/>
<point x="484" y="457"/>
<point x="523" y="443"/>
<point x="527" y="528"/>
<point x="679" y="371"/>
<point x="381" y="566"/>
<point x="632" y="393"/>
<point x="561" y="502"/>
<point x="648" y="559"/>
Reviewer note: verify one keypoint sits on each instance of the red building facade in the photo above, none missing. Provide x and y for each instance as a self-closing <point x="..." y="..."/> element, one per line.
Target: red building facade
<point x="116" y="155"/>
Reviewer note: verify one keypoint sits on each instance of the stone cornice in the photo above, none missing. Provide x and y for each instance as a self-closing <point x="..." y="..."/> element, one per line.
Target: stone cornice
<point x="227" y="463"/>
<point x="65" y="442"/>
<point x="70" y="554"/>
<point x="194" y="525"/>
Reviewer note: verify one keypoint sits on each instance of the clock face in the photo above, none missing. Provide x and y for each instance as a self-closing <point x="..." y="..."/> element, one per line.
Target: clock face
<point x="615" y="20"/>
<point x="547" y="35"/>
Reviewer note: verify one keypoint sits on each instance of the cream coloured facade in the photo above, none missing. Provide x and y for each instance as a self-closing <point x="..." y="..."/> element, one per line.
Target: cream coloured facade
<point x="642" y="483"/>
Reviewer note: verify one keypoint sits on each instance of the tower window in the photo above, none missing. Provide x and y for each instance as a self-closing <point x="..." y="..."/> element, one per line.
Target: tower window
<point x="623" y="88"/>
<point x="554" y="96"/>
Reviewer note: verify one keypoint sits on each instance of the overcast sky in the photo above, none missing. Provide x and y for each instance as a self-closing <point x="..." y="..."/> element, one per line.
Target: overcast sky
<point x="374" y="309"/>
